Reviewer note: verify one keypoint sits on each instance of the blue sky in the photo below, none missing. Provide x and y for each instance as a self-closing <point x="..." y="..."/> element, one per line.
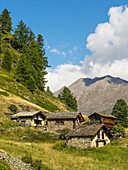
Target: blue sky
<point x="65" y="25"/>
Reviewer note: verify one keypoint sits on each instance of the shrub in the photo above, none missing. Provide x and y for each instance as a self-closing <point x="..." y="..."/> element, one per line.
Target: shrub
<point x="63" y="133"/>
<point x="36" y="164"/>
<point x="27" y="159"/>
<point x="4" y="93"/>
<point x="118" y="129"/>
<point x="13" y="108"/>
<point x="4" y="166"/>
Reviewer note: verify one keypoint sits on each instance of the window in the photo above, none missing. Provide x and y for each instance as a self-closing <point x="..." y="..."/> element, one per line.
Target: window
<point x="98" y="134"/>
<point x="37" y="122"/>
<point x="102" y="134"/>
<point x="59" y="122"/>
<point x="23" y="122"/>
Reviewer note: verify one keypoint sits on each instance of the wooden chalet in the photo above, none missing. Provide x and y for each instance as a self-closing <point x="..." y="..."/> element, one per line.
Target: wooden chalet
<point x="107" y="119"/>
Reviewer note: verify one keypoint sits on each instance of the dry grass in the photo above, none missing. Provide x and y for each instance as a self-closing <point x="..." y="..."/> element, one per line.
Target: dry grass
<point x="126" y="129"/>
<point x="13" y="99"/>
<point x="45" y="152"/>
<point x="69" y="160"/>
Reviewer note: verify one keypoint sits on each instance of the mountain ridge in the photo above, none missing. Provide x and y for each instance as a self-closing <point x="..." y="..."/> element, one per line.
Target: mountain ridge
<point x="98" y="94"/>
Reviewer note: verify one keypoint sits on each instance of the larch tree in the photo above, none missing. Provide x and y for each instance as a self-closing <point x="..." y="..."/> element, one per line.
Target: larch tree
<point x="21" y="36"/>
<point x="0" y="41"/>
<point x="5" y="20"/>
<point x="25" y="73"/>
<point x="67" y="96"/>
<point x="120" y="110"/>
<point x="7" y="61"/>
<point x="48" y="90"/>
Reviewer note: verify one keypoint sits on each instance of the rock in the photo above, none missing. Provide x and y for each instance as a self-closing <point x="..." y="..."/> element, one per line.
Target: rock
<point x="14" y="163"/>
<point x="25" y="137"/>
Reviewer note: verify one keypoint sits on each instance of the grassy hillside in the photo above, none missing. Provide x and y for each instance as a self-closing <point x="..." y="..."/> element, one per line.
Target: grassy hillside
<point x="12" y="92"/>
<point x="54" y="154"/>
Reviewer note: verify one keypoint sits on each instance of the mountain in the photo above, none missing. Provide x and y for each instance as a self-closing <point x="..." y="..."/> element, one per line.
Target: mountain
<point x="98" y="94"/>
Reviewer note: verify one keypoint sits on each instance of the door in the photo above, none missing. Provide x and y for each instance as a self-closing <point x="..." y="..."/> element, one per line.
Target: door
<point x="97" y="144"/>
<point x="104" y="143"/>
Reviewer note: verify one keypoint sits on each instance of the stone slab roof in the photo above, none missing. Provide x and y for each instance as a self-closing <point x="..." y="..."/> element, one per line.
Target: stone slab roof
<point x="27" y="114"/>
<point x="86" y="130"/>
<point x="63" y="115"/>
<point x="103" y="115"/>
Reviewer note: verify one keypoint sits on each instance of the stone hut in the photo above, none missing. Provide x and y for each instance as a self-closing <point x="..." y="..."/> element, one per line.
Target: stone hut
<point x="30" y="118"/>
<point x="88" y="136"/>
<point x="101" y="118"/>
<point x="56" y="122"/>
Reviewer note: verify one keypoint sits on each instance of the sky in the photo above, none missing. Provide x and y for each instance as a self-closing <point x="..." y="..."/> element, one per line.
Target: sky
<point x="83" y="38"/>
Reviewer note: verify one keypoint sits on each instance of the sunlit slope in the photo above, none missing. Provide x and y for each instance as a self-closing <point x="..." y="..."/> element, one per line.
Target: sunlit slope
<point x="12" y="92"/>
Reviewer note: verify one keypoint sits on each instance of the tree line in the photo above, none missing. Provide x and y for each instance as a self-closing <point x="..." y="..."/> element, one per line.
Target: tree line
<point x="31" y="67"/>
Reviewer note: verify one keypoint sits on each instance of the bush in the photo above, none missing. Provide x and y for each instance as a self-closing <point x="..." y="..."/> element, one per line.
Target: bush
<point x="4" y="93"/>
<point x="36" y="164"/>
<point x="13" y="108"/>
<point x="118" y="129"/>
<point x="4" y="166"/>
<point x="27" y="159"/>
<point x="63" y="133"/>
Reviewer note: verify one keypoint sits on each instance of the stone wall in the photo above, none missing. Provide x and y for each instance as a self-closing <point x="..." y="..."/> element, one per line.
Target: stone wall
<point x="52" y="126"/>
<point x="79" y="142"/>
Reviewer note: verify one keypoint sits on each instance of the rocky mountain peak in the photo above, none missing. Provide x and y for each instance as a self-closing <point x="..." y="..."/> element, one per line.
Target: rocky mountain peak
<point x="99" y="93"/>
<point x="108" y="78"/>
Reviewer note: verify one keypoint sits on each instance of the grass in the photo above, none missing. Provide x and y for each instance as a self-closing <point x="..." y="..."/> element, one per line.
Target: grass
<point x="42" y="99"/>
<point x="54" y="154"/>
<point x="4" y="93"/>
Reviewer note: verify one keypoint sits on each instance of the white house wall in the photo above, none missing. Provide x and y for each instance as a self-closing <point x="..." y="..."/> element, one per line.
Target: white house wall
<point x="101" y="143"/>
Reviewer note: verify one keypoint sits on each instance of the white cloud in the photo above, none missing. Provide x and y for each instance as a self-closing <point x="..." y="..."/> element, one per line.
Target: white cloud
<point x="63" y="53"/>
<point x="48" y="47"/>
<point x="55" y="51"/>
<point x="75" y="48"/>
<point x="109" y="47"/>
<point x="63" y="75"/>
<point x="110" y="40"/>
<point x="70" y="51"/>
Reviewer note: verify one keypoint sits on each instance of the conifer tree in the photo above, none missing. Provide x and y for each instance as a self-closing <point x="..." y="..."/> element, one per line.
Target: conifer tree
<point x="48" y="90"/>
<point x="24" y="41"/>
<point x="30" y="83"/>
<point x="21" y="35"/>
<point x="43" y="60"/>
<point x="0" y="42"/>
<point x="35" y="55"/>
<point x="5" y="20"/>
<point x="120" y="110"/>
<point x="25" y="73"/>
<point x="7" y="61"/>
<point x="31" y="37"/>
<point x="68" y="98"/>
